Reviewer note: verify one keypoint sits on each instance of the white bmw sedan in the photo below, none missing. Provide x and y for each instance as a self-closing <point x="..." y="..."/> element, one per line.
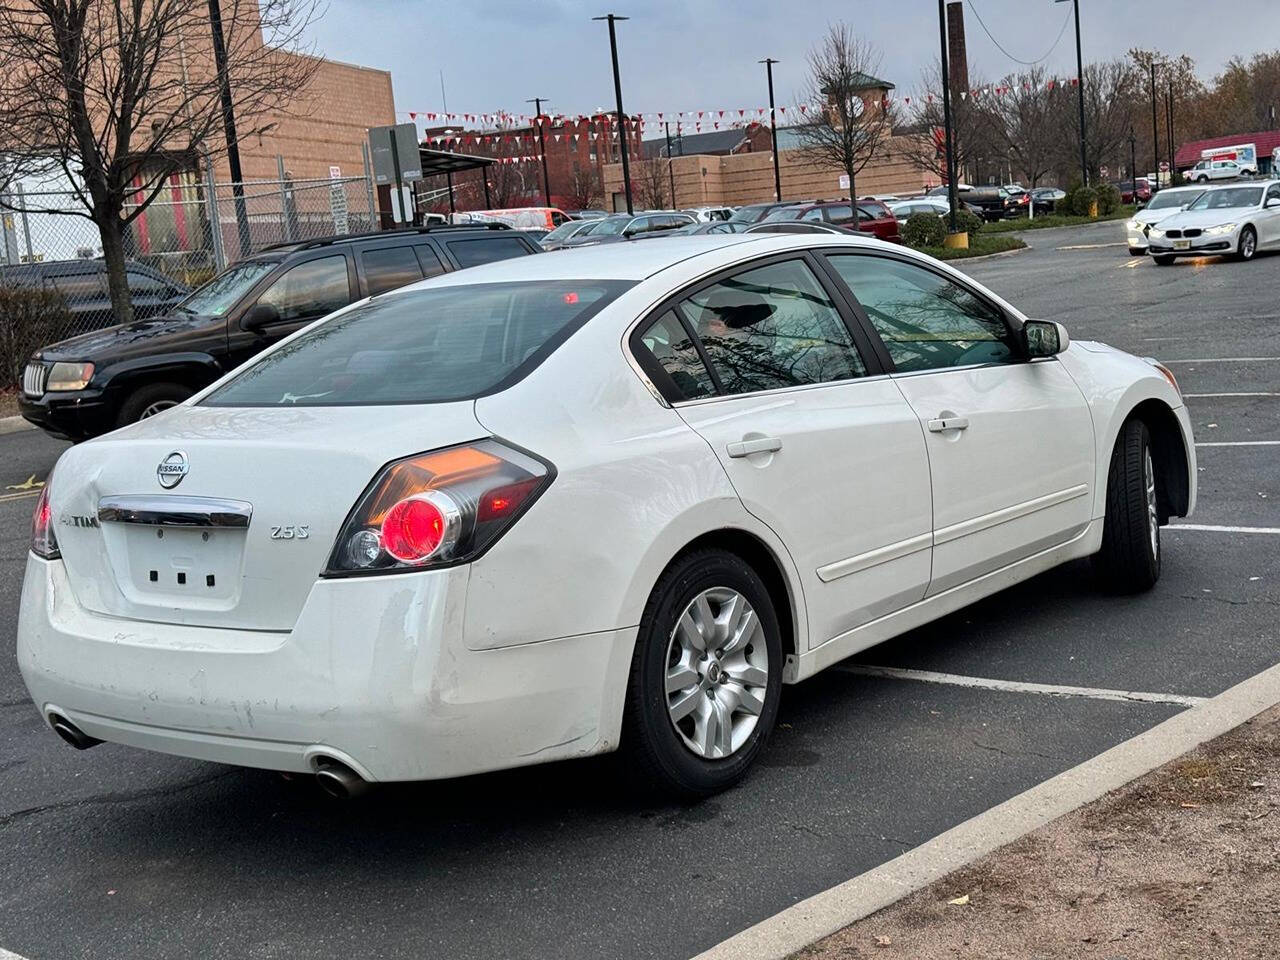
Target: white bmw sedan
<point x="1167" y="203"/>
<point x="558" y="506"/>
<point x="1239" y="219"/>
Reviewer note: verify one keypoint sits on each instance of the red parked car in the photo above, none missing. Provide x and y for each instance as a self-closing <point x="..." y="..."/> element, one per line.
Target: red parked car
<point x="1126" y="190"/>
<point x="873" y="216"/>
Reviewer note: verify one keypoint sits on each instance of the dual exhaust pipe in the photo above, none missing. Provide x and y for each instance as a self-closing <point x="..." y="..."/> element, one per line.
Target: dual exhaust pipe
<point x="333" y="776"/>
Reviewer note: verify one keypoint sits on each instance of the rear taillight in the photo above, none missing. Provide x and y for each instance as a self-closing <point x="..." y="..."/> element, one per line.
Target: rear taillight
<point x="438" y="509"/>
<point x="43" y="541"/>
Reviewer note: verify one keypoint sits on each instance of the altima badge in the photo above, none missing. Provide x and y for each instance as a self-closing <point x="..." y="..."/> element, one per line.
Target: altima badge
<point x="172" y="469"/>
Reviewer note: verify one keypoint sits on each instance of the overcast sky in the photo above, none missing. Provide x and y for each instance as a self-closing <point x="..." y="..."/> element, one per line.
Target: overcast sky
<point x="701" y="54"/>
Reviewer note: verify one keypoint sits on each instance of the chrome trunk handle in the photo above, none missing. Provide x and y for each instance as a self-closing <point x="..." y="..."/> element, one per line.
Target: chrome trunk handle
<point x="162" y="511"/>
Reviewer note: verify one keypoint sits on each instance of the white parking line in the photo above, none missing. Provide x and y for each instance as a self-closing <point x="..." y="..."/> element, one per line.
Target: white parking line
<point x="1199" y="396"/>
<point x="1225" y="360"/>
<point x="1240" y="443"/>
<point x="1016" y="686"/>
<point x="7" y="955"/>
<point x="1095" y="246"/>
<point x="1216" y="528"/>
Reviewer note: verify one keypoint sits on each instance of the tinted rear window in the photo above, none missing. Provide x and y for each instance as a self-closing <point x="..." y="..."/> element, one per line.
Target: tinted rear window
<point x="472" y="253"/>
<point x="422" y="346"/>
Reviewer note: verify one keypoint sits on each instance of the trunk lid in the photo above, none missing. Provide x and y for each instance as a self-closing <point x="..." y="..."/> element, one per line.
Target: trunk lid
<point x="295" y="471"/>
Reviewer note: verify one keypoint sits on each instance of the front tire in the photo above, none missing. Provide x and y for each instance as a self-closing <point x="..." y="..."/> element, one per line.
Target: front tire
<point x="1248" y="247"/>
<point x="1137" y="251"/>
<point x="706" y="677"/>
<point x="149" y="400"/>
<point x="1162" y="260"/>
<point x="1129" y="561"/>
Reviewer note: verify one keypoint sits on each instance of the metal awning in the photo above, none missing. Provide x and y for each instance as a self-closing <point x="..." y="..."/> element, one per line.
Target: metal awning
<point x="445" y="162"/>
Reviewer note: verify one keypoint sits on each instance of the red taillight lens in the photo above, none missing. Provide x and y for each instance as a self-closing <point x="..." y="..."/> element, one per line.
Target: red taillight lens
<point x="443" y="507"/>
<point x="43" y="541"/>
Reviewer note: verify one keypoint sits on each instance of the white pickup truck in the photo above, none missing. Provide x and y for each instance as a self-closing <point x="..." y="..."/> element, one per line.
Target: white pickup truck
<point x="1207" y="170"/>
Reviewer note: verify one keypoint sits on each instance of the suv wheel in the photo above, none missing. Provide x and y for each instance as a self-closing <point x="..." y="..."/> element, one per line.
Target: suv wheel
<point x="706" y="677"/>
<point x="149" y="400"/>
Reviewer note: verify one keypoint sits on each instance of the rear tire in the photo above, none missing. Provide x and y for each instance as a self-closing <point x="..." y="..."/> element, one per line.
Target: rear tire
<point x="696" y="719"/>
<point x="1163" y="260"/>
<point x="149" y="400"/>
<point x="1129" y="561"/>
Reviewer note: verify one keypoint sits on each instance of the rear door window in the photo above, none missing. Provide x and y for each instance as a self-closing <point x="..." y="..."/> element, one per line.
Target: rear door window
<point x="666" y="343"/>
<point x="80" y="287"/>
<point x="429" y="261"/>
<point x="433" y="345"/>
<point x="772" y="327"/>
<point x="310" y="289"/>
<point x="473" y="252"/>
<point x="389" y="267"/>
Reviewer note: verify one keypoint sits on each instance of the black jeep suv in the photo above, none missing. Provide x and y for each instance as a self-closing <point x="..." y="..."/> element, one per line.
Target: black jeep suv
<point x="94" y="383"/>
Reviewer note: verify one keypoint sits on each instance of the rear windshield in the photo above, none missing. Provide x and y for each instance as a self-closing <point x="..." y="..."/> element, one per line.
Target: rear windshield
<point x="422" y="346"/>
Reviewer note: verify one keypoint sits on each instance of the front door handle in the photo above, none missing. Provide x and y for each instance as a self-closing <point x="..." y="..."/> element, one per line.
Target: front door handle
<point x="744" y="448"/>
<point x="948" y="423"/>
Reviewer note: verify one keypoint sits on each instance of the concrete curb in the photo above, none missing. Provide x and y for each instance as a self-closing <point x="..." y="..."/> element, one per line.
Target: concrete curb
<point x="823" y="914"/>
<point x="14" y="425"/>
<point x="987" y="256"/>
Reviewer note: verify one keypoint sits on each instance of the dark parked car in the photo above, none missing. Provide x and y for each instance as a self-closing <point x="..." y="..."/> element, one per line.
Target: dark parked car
<point x="90" y="384"/>
<point x="996" y="203"/>
<point x="624" y="227"/>
<point x="872" y="217"/>
<point x="755" y="212"/>
<point x="83" y="285"/>
<point x="797" y="226"/>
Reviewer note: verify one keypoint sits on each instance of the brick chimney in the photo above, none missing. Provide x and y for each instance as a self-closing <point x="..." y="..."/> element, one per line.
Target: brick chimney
<point x="957" y="53"/>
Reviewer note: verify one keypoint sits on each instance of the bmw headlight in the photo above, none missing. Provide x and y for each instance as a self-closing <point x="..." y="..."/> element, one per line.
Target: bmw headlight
<point x="1156" y="233"/>
<point x="1220" y="229"/>
<point x="69" y="376"/>
<point x="1134" y="226"/>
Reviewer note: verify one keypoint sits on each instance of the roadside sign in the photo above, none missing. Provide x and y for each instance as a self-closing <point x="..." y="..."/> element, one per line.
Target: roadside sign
<point x="338" y="201"/>
<point x="844" y="181"/>
<point x="1164" y="166"/>
<point x="1104" y="172"/>
<point x="394" y="151"/>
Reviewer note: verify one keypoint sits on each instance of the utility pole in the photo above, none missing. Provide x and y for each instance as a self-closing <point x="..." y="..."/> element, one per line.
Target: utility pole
<point x="617" y="89"/>
<point x="946" y="115"/>
<point x="1084" y="163"/>
<point x="773" y="129"/>
<point x="1133" y="164"/>
<point x="1155" y="132"/>
<point x="542" y="147"/>
<point x="670" y="172"/>
<point x="229" y="127"/>
<point x="1168" y="124"/>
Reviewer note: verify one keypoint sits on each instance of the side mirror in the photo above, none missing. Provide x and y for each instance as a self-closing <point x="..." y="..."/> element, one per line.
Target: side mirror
<point x="260" y="315"/>
<point x="1272" y="203"/>
<point x="1044" y="338"/>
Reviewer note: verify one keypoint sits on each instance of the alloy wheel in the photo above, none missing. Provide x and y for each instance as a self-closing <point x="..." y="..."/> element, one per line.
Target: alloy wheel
<point x="717" y="673"/>
<point x="1153" y="515"/>
<point x="151" y="409"/>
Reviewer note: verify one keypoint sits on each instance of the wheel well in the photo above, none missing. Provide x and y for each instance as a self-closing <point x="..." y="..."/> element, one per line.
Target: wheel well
<point x="192" y="376"/>
<point x="1169" y="454"/>
<point x="762" y="560"/>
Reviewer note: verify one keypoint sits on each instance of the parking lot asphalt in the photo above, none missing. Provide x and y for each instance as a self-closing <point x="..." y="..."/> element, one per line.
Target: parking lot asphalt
<point x="119" y="853"/>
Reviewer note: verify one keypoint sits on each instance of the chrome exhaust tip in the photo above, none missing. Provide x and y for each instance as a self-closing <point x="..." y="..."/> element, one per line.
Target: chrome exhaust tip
<point x="339" y="781"/>
<point x="72" y="734"/>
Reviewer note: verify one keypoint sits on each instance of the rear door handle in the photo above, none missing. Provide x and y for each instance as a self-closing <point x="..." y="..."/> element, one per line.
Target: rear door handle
<point x="744" y="448"/>
<point x="948" y="423"/>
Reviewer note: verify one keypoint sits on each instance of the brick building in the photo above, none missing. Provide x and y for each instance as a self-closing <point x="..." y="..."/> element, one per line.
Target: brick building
<point x="578" y="150"/>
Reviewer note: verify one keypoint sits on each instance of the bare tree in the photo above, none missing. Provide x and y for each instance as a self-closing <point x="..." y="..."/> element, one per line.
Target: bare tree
<point x="585" y="190"/>
<point x="117" y="96"/>
<point x="848" y="123"/>
<point x="652" y="182"/>
<point x="1111" y="94"/>
<point x="971" y="128"/>
<point x="1026" y="115"/>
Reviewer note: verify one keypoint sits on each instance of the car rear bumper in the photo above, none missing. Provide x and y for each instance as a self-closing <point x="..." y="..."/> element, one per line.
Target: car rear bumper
<point x="374" y="674"/>
<point x="76" y="415"/>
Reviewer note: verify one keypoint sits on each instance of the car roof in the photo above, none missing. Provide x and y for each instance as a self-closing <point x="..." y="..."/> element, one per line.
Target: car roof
<point x="636" y="260"/>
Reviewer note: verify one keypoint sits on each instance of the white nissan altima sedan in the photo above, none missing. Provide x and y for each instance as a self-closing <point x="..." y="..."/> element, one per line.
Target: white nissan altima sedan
<point x="558" y="506"/>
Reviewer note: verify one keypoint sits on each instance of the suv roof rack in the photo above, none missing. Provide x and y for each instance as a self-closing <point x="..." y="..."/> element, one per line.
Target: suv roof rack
<point x="374" y="234"/>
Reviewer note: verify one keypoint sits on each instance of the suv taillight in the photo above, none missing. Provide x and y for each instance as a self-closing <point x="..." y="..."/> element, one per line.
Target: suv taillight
<point x="438" y="509"/>
<point x="44" y="543"/>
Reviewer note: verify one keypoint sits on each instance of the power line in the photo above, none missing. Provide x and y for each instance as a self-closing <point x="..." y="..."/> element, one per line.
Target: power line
<point x="1025" y="63"/>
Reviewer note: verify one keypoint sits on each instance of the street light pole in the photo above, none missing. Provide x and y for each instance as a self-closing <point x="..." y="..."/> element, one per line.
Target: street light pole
<point x="1168" y="124"/>
<point x="1155" y="132"/>
<point x="666" y="126"/>
<point x="1084" y="163"/>
<point x="229" y="127"/>
<point x="1133" y="164"/>
<point x="617" y="89"/>
<point x="773" y="129"/>
<point x="542" y="147"/>
<point x="946" y="115"/>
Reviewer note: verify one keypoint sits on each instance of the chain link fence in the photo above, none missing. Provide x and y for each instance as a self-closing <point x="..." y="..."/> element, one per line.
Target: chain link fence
<point x="53" y="282"/>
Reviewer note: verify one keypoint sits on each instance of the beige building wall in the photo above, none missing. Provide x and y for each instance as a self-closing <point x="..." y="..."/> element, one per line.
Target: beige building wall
<point x="748" y="178"/>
